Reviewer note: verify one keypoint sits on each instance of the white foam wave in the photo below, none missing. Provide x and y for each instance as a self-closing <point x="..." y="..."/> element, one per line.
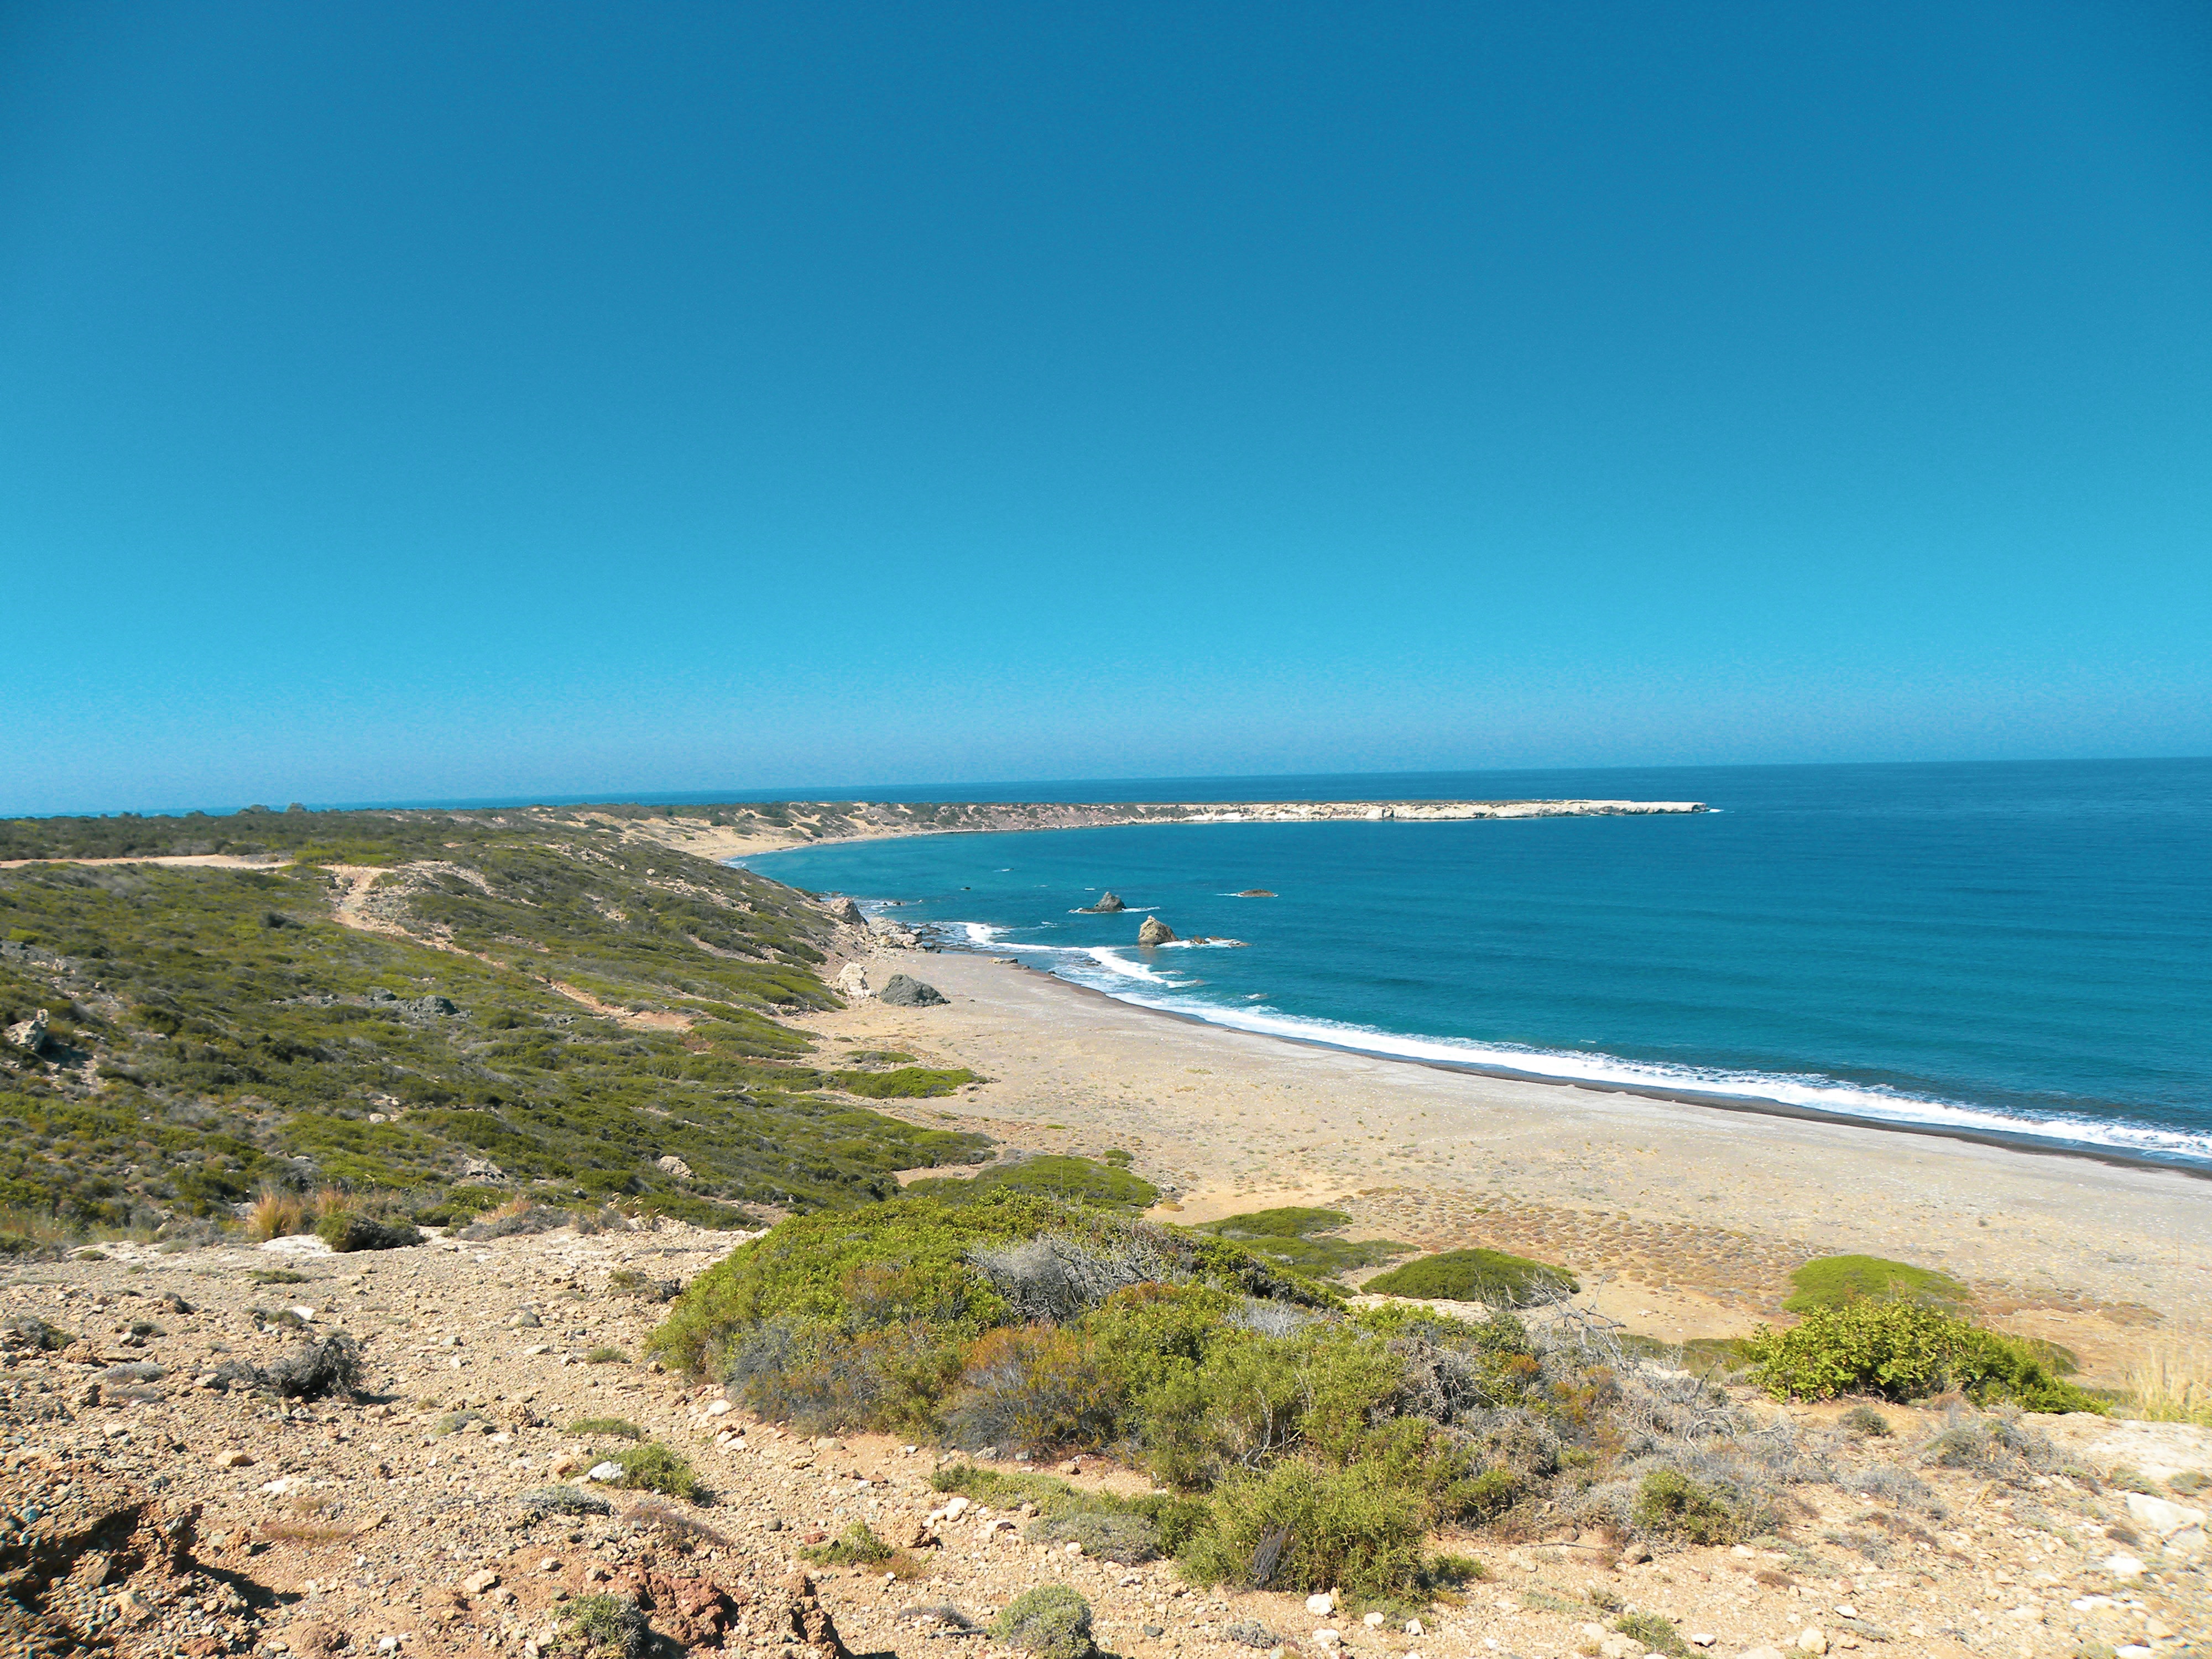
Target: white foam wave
<point x="1811" y="1093"/>
<point x="1102" y="967"/>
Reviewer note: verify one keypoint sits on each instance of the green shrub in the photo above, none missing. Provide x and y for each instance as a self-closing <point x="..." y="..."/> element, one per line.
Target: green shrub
<point x="1452" y="1571"/>
<point x="606" y="1356"/>
<point x="1302" y="1526"/>
<point x="1655" y="1633"/>
<point x="1035" y="1388"/>
<point x="1866" y="1423"/>
<point x="907" y="1082"/>
<point x="1906" y="1351"/>
<point x="1491" y="1277"/>
<point x="349" y="1230"/>
<point x="1105" y="1535"/>
<point x="653" y="1467"/>
<point x="1050" y="1622"/>
<point x="857" y="1546"/>
<point x="1297" y="1238"/>
<point x="1074" y="1180"/>
<point x="1829" y="1282"/>
<point x="1669" y="1503"/>
<point x="606" y="1428"/>
<point x="601" y="1626"/>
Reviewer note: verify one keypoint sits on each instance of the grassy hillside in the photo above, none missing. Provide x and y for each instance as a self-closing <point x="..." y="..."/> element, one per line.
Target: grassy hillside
<point x="213" y="1031"/>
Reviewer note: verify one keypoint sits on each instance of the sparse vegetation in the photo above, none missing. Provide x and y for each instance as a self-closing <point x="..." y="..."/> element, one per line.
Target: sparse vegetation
<point x="251" y="1050"/>
<point x="1301" y="1445"/>
<point x="607" y="1428"/>
<point x="858" y="1545"/>
<point x="652" y="1467"/>
<point x="1300" y="1238"/>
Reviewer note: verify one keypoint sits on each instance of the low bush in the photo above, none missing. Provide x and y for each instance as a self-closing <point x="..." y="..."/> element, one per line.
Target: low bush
<point x="1125" y="1539"/>
<point x="653" y="1467"/>
<point x="601" y="1626"/>
<point x="1302" y="1526"/>
<point x="1829" y="1282"/>
<point x="606" y="1356"/>
<point x="1668" y="1503"/>
<point x="1071" y="1180"/>
<point x="857" y="1546"/>
<point x="349" y="1230"/>
<point x="1906" y="1351"/>
<point x="1865" y="1423"/>
<point x="1299" y="1237"/>
<point x="1489" y="1276"/>
<point x="607" y="1428"/>
<point x="1656" y="1633"/>
<point x="1050" y="1622"/>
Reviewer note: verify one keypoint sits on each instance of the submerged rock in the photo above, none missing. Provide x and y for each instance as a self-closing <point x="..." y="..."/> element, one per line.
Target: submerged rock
<point x="1155" y="932"/>
<point x="1255" y="892"/>
<point x="904" y="992"/>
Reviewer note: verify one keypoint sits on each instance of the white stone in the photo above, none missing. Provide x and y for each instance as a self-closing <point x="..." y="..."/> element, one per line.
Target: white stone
<point x="669" y="1163"/>
<point x="607" y="1471"/>
<point x="955" y="1508"/>
<point x="2160" y="1516"/>
<point x="1373" y="1621"/>
<point x="2123" y="1566"/>
<point x="1321" y="1605"/>
<point x="1847" y="1610"/>
<point x="1812" y="1639"/>
<point x="1413" y="1627"/>
<point x="717" y="1408"/>
<point x="1760" y="1653"/>
<point x="1327" y="1638"/>
<point x="284" y="1485"/>
<point x="1702" y="1638"/>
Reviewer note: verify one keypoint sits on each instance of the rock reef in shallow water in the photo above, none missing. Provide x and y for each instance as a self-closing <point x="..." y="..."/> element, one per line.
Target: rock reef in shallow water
<point x="1108" y="903"/>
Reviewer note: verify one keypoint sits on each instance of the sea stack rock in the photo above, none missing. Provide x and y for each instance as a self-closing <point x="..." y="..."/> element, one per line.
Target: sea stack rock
<point x="904" y="992"/>
<point x="1155" y="932"/>
<point x="1106" y="905"/>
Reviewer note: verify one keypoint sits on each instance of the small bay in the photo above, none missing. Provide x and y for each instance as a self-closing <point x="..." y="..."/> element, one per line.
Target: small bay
<point x="2021" y="948"/>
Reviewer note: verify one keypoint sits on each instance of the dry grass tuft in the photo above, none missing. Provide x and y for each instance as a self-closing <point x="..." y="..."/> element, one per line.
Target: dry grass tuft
<point x="2172" y="1383"/>
<point x="277" y="1215"/>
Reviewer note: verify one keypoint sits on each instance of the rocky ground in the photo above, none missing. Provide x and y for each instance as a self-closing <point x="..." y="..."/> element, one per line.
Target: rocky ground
<point x="150" y="1511"/>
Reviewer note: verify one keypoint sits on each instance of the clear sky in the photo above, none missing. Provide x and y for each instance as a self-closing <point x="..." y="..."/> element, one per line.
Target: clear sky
<point x="465" y="400"/>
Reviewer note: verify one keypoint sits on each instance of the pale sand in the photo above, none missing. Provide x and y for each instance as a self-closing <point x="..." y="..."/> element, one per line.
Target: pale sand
<point x="1684" y="1220"/>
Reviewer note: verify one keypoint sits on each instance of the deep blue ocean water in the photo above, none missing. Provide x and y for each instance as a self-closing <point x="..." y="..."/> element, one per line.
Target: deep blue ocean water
<point x="2016" y="947"/>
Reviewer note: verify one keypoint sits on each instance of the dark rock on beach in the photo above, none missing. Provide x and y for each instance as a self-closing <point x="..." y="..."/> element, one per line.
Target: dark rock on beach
<point x="905" y="992"/>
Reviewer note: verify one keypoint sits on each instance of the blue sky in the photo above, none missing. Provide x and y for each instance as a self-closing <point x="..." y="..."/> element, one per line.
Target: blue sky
<point x="415" y="401"/>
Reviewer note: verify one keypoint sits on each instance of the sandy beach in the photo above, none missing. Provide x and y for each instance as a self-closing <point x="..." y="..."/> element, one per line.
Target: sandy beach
<point x="1683" y="1220"/>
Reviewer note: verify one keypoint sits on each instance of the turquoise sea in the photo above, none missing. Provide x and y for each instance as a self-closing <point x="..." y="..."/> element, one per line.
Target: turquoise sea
<point x="2023" y="949"/>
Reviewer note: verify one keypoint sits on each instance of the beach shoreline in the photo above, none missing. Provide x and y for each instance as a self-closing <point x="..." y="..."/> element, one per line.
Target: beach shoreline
<point x="1683" y="1221"/>
<point x="2029" y="1144"/>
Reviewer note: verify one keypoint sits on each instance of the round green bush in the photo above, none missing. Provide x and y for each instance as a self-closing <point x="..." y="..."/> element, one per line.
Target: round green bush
<point x="1491" y="1277"/>
<point x="1829" y="1282"/>
<point x="1050" y="1622"/>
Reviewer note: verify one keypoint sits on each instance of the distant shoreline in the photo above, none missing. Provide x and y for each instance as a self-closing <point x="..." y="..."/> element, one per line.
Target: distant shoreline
<point x="795" y="824"/>
<point x="1751" y="1105"/>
